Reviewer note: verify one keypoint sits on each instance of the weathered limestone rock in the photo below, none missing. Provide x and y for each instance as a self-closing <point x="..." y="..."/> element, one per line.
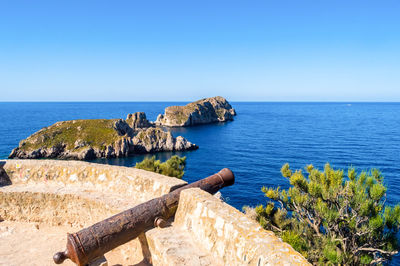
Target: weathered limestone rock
<point x="138" y="120"/>
<point x="205" y="111"/>
<point x="123" y="128"/>
<point x="99" y="138"/>
<point x="155" y="140"/>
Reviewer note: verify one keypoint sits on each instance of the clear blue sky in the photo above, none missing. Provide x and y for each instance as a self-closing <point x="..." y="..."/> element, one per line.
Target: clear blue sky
<point x="185" y="50"/>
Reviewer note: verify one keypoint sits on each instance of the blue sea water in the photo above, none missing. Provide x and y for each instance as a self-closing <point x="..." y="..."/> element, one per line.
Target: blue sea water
<point x="254" y="146"/>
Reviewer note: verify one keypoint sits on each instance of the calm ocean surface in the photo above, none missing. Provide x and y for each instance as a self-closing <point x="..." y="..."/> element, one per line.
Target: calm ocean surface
<point x="262" y="138"/>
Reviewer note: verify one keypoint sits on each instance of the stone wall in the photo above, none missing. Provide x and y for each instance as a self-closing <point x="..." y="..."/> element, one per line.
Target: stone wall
<point x="142" y="185"/>
<point x="228" y="234"/>
<point x="205" y="230"/>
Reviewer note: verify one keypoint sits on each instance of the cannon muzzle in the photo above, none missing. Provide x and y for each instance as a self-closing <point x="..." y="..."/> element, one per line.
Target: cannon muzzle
<point x="94" y="241"/>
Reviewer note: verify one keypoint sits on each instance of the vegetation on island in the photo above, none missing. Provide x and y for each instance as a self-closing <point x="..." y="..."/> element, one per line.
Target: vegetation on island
<point x="95" y="132"/>
<point x="99" y="138"/>
<point x="331" y="218"/>
<point x="174" y="166"/>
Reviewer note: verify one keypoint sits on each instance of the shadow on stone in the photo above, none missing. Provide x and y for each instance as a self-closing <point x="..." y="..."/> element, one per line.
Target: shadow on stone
<point x="4" y="178"/>
<point x="145" y="251"/>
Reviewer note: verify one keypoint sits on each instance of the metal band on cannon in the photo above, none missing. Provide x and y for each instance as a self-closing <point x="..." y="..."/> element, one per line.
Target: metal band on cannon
<point x="94" y="241"/>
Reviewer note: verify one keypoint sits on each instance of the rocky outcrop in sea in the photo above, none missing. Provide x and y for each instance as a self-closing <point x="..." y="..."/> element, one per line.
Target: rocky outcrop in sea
<point x="99" y="138"/>
<point x="205" y="111"/>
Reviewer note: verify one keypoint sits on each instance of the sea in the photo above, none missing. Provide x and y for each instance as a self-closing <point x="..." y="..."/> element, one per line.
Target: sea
<point x="262" y="137"/>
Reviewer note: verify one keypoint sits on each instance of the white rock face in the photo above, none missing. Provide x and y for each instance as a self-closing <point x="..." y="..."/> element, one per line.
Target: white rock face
<point x="205" y="111"/>
<point x="156" y="139"/>
<point x="138" y="120"/>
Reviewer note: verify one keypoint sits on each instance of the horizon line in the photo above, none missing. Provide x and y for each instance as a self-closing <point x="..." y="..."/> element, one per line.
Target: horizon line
<point x="188" y="101"/>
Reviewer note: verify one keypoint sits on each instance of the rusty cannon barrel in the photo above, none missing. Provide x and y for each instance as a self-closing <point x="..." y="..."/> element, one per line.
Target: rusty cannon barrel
<point x="94" y="241"/>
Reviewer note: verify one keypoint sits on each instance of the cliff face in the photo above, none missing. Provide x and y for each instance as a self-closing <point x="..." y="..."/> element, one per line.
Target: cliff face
<point x="205" y="111"/>
<point x="138" y="120"/>
<point x="99" y="138"/>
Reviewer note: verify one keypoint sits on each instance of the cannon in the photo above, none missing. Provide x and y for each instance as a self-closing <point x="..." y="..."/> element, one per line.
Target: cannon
<point x="93" y="242"/>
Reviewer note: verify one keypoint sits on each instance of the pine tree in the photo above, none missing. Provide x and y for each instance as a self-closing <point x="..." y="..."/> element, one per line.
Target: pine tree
<point x="174" y="166"/>
<point x="331" y="218"/>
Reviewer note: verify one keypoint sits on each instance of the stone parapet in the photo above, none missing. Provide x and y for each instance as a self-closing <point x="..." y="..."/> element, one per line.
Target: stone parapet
<point x="140" y="184"/>
<point x="228" y="234"/>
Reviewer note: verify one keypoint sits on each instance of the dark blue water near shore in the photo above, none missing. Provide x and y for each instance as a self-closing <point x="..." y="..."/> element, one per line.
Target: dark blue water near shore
<point x="262" y="138"/>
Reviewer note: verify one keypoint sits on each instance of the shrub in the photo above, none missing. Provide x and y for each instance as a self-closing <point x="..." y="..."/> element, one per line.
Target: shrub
<point x="331" y="218"/>
<point x="174" y="166"/>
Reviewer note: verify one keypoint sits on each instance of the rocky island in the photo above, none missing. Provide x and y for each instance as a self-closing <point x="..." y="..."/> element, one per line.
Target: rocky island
<point x="205" y="111"/>
<point x="99" y="138"/>
<point x="108" y="138"/>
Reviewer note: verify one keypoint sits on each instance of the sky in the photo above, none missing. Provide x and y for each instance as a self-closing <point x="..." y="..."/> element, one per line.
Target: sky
<point x="186" y="50"/>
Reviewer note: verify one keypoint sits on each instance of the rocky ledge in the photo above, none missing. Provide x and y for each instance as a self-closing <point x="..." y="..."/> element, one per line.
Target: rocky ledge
<point x="99" y="138"/>
<point x="205" y="111"/>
